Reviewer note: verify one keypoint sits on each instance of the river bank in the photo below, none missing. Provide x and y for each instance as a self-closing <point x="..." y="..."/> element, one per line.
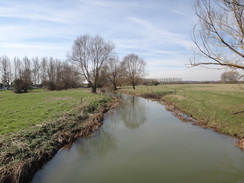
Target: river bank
<point x="215" y="106"/>
<point x="140" y="141"/>
<point x="26" y="151"/>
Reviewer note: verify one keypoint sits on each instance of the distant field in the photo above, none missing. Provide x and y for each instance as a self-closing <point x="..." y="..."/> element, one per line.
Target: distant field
<point x="220" y="106"/>
<point x="20" y="111"/>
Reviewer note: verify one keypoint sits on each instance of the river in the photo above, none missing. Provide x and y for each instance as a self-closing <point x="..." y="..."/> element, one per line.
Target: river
<point x="141" y="142"/>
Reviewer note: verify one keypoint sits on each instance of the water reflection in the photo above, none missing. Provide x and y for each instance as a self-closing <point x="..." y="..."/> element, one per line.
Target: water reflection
<point x="98" y="145"/>
<point x="131" y="112"/>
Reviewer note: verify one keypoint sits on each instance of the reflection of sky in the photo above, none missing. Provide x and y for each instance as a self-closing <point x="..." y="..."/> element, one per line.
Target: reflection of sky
<point x="157" y="30"/>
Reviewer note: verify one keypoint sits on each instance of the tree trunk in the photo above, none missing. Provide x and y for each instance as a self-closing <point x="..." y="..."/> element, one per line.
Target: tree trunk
<point x="115" y="87"/>
<point x="94" y="89"/>
<point x="134" y="86"/>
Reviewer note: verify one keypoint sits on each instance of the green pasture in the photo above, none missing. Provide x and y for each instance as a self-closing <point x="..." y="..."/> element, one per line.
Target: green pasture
<point x="20" y="111"/>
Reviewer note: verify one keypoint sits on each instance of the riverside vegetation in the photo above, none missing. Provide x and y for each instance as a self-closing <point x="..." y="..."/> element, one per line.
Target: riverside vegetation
<point x="216" y="106"/>
<point x="35" y="125"/>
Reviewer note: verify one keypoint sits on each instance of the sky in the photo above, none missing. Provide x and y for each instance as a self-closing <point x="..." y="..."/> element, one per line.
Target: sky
<point x="159" y="31"/>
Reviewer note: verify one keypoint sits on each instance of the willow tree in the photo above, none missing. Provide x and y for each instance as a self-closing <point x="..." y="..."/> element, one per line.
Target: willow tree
<point x="91" y="53"/>
<point x="114" y="72"/>
<point x="219" y="34"/>
<point x="134" y="67"/>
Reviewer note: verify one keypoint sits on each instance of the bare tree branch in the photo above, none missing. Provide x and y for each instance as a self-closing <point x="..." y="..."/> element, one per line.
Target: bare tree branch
<point x="219" y="34"/>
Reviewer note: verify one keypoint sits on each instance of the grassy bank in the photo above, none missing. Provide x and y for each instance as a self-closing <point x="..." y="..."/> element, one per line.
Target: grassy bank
<point x="35" y="125"/>
<point x="216" y="106"/>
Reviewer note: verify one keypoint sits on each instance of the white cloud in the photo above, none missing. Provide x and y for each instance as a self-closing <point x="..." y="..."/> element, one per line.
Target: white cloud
<point x="154" y="35"/>
<point x="180" y="12"/>
<point x="157" y="31"/>
<point x="14" y="45"/>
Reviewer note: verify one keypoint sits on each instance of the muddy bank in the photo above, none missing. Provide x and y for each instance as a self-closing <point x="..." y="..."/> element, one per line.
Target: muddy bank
<point x="22" y="155"/>
<point x="183" y="116"/>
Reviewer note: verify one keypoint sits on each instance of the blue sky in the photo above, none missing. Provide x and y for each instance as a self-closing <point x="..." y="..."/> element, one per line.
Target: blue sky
<point x="157" y="30"/>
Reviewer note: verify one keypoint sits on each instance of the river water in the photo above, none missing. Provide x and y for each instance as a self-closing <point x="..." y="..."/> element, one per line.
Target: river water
<point x="141" y="142"/>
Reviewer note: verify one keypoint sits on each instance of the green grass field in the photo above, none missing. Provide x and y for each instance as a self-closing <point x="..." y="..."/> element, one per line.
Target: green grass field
<point x="20" y="111"/>
<point x="219" y="106"/>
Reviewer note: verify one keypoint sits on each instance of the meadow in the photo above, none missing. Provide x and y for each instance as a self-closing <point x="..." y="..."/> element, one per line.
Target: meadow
<point x="216" y="106"/>
<point x="21" y="111"/>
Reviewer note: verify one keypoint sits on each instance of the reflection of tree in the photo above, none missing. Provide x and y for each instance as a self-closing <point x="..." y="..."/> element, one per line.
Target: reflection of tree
<point x="98" y="145"/>
<point x="131" y="112"/>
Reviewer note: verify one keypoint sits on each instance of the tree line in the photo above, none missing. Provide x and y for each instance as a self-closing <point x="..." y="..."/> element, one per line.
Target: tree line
<point x="92" y="59"/>
<point x="38" y="72"/>
<point x="100" y="65"/>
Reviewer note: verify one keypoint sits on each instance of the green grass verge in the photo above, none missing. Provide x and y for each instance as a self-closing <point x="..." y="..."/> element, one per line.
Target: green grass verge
<point x="218" y="106"/>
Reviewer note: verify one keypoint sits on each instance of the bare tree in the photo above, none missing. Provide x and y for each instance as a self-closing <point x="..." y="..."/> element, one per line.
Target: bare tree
<point x="59" y="84"/>
<point x="6" y="71"/>
<point x="23" y="75"/>
<point x="70" y="76"/>
<point x="91" y="53"/>
<point x="36" y="70"/>
<point x="219" y="35"/>
<point x="51" y="74"/>
<point x="135" y="68"/>
<point x="43" y="69"/>
<point x="115" y="72"/>
<point x="26" y="74"/>
<point x="17" y="67"/>
<point x="229" y="77"/>
<point x="59" y="75"/>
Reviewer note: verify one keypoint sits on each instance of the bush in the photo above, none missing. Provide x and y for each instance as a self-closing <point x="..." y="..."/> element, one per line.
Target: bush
<point x="157" y="95"/>
<point x="155" y="83"/>
<point x="20" y="86"/>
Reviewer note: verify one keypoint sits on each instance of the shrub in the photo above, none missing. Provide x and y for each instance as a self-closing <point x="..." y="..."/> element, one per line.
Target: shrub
<point x="157" y="95"/>
<point x="155" y="83"/>
<point x="20" y="86"/>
